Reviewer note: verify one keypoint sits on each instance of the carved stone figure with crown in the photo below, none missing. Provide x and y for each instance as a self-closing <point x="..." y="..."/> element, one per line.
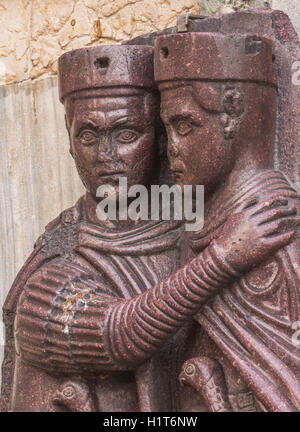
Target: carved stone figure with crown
<point x="220" y="103"/>
<point x="114" y="315"/>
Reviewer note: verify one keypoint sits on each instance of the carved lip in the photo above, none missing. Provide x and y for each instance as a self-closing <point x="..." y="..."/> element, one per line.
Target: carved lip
<point x="109" y="173"/>
<point x="176" y="168"/>
<point x="177" y="174"/>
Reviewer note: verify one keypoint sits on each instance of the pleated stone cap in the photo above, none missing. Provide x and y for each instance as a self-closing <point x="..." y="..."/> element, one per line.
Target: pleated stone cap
<point x="213" y="56"/>
<point x="105" y="66"/>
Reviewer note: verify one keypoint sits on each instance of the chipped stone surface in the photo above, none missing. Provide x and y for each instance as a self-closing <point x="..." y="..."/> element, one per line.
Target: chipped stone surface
<point x="36" y="33"/>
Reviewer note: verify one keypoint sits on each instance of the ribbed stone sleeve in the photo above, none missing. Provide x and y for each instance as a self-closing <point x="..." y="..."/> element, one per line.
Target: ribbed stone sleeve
<point x="68" y="322"/>
<point x="59" y="321"/>
<point x="136" y="328"/>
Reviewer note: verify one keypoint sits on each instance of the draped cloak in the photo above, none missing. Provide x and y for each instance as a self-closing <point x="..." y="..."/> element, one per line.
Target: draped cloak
<point x="126" y="262"/>
<point x="250" y="323"/>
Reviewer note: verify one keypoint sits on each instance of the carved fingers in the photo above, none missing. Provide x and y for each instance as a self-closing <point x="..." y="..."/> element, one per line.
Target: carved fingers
<point x="260" y="229"/>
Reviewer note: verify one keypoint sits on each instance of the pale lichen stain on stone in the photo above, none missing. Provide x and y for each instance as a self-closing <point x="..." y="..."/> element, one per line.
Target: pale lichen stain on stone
<point x="75" y="300"/>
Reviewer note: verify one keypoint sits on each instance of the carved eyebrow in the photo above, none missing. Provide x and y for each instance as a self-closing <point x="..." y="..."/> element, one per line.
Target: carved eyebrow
<point x="131" y="122"/>
<point x="121" y="121"/>
<point x="86" y="123"/>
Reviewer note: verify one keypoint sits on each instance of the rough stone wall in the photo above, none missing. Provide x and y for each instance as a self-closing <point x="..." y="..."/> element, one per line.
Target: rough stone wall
<point x="34" y="33"/>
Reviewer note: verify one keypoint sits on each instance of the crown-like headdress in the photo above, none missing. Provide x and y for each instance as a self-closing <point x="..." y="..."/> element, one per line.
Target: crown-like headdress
<point x="214" y="56"/>
<point x="105" y="66"/>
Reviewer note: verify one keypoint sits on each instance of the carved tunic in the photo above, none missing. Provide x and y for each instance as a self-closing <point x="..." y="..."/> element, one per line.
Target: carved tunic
<point x="72" y="320"/>
<point x="251" y="321"/>
<point x="66" y="291"/>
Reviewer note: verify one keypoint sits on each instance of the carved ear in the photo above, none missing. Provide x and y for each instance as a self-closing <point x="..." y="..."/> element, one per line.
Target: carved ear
<point x="233" y="105"/>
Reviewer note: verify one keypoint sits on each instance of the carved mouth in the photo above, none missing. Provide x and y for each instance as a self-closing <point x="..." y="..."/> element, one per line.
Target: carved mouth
<point x="177" y="169"/>
<point x="177" y="174"/>
<point x="111" y="173"/>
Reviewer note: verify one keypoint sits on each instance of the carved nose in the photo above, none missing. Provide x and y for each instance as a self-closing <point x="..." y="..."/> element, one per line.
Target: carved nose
<point x="105" y="152"/>
<point x="173" y="151"/>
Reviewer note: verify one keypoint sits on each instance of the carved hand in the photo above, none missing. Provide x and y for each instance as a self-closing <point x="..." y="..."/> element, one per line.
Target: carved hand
<point x="253" y="234"/>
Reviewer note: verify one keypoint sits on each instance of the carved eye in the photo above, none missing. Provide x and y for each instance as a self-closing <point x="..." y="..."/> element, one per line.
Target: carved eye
<point x="127" y="136"/>
<point x="184" y="127"/>
<point x="87" y="137"/>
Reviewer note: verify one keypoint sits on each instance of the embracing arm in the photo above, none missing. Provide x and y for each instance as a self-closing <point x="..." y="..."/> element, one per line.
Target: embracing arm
<point x="67" y="322"/>
<point x="135" y="329"/>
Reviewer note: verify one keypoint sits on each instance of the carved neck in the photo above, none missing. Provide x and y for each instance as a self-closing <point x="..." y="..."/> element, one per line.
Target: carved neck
<point x="90" y="209"/>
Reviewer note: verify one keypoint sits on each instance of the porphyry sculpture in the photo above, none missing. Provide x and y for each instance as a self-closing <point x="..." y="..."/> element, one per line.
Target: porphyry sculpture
<point x="111" y="114"/>
<point x="219" y="103"/>
<point x="100" y="318"/>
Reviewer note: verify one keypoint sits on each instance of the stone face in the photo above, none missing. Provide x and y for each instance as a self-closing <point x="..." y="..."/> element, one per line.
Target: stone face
<point x="35" y="34"/>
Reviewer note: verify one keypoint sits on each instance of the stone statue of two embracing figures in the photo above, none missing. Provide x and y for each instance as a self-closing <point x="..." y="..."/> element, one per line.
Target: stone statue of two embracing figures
<point x="141" y="315"/>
